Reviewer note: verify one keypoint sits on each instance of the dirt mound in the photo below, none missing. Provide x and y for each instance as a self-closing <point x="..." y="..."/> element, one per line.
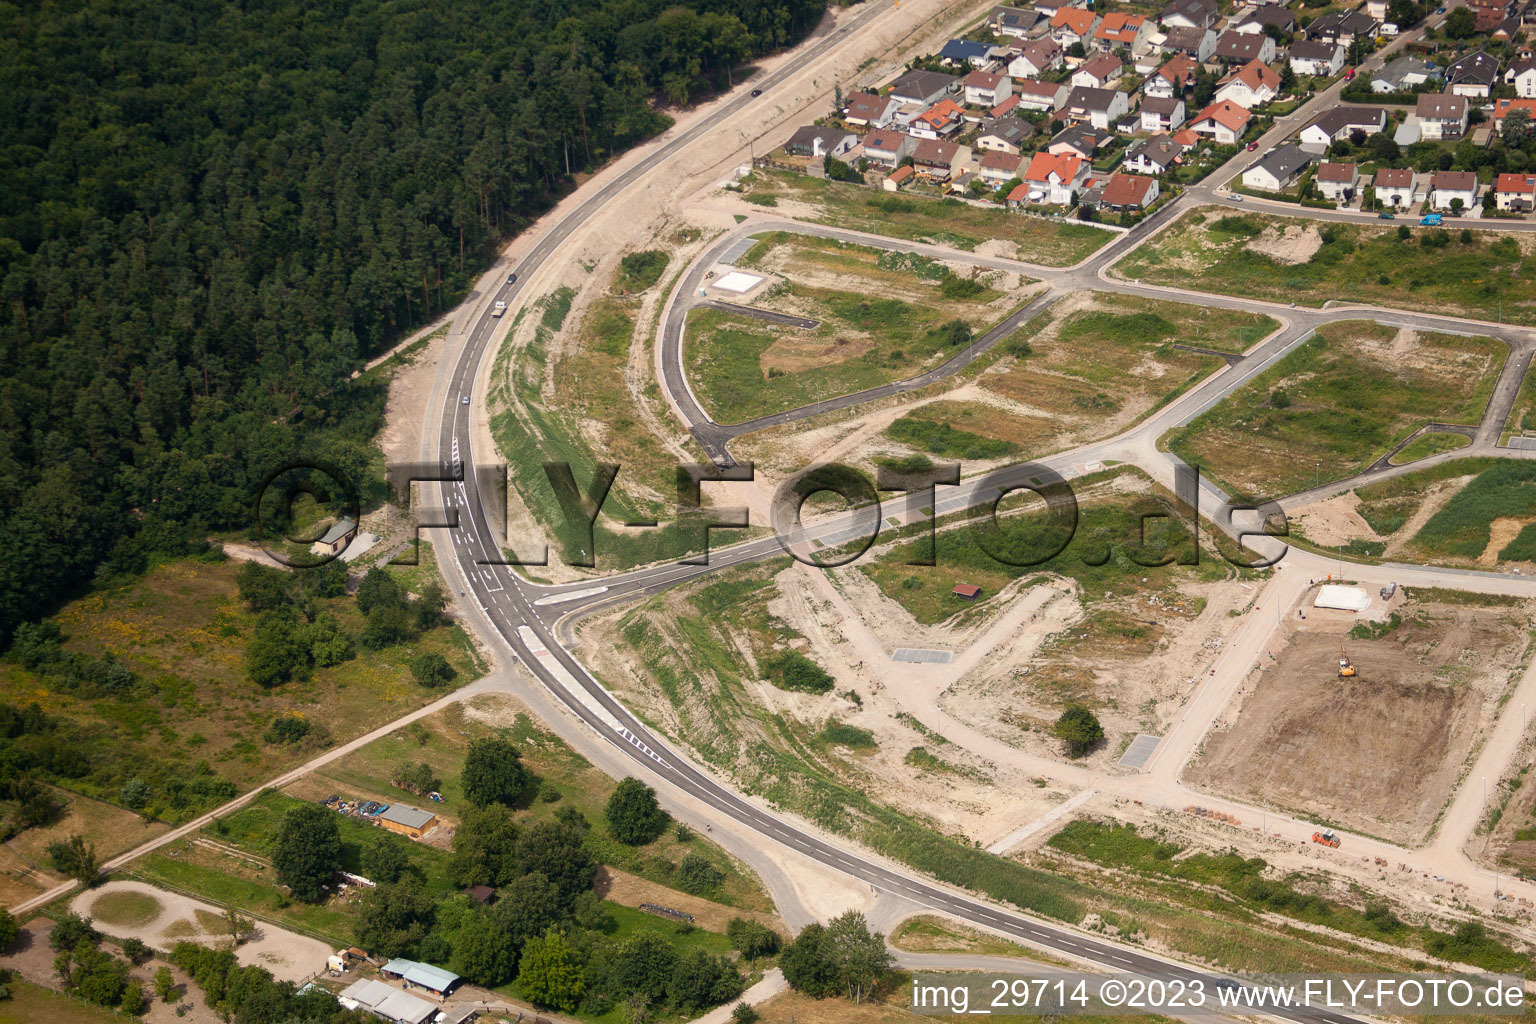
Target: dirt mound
<point x="1289" y="244"/>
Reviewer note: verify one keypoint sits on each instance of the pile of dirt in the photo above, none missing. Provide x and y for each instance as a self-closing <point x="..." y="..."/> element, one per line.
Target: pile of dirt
<point x="1288" y="244"/>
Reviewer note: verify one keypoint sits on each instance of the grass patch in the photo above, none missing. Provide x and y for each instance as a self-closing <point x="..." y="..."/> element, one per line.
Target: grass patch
<point x="1360" y="263"/>
<point x="946" y="441"/>
<point x="1111" y="362"/>
<point x="841" y="734"/>
<point x="126" y="909"/>
<point x="943" y="221"/>
<point x="1425" y="445"/>
<point x="1334" y="404"/>
<point x="1124" y="848"/>
<point x="190" y="723"/>
<point x="31" y="1003"/>
<point x="883" y="317"/>
<point x="1463" y="526"/>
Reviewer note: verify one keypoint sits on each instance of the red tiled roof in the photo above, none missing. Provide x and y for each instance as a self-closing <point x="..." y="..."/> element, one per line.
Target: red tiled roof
<point x="1336" y="172"/>
<point x="1127" y="190"/>
<point x="1065" y="166"/>
<point x="1076" y="19"/>
<point x="1226" y="113"/>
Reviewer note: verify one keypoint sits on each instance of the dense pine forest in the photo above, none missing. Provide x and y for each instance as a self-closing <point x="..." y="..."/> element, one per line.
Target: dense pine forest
<point x="211" y="213"/>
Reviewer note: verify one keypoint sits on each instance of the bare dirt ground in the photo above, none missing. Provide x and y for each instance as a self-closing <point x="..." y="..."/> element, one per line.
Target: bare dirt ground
<point x="1332" y="522"/>
<point x="1290" y="244"/>
<point x="289" y="956"/>
<point x="32" y="959"/>
<point x="1380" y="753"/>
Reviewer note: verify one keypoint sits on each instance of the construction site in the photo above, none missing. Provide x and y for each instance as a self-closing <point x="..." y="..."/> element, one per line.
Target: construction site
<point x="1366" y="723"/>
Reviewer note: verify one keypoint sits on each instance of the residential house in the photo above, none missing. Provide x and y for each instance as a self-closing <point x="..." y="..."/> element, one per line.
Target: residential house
<point x="1048" y="8"/>
<point x="1244" y="47"/>
<point x="886" y="147"/>
<point x="1441" y="116"/>
<point x="1473" y="75"/>
<point x="1101" y="71"/>
<point x="1098" y="107"/>
<point x="1129" y="192"/>
<point x="1265" y="16"/>
<point x="1489" y="14"/>
<point x="1502" y="108"/>
<point x="1515" y="193"/>
<point x="984" y="89"/>
<point x="1004" y="135"/>
<point x="1314" y="57"/>
<point x="934" y="160"/>
<point x="818" y="141"/>
<point x="1081" y="140"/>
<point x="965" y="53"/>
<point x="1521" y="73"/>
<point x="1338" y="122"/>
<point x="1035" y="58"/>
<point x="924" y="87"/>
<point x="1337" y="181"/>
<point x="1404" y="74"/>
<point x="1279" y="169"/>
<point x="1056" y="179"/>
<point x="1017" y="22"/>
<point x="1172" y="79"/>
<point x="1251" y="85"/>
<point x="939" y="121"/>
<point x="1008" y="108"/>
<point x="1397" y="187"/>
<point x="997" y="168"/>
<point x="1199" y="43"/>
<point x="1376" y="9"/>
<point x="1224" y="121"/>
<point x="1161" y="115"/>
<point x="1044" y="96"/>
<point x="1189" y="14"/>
<point x="1156" y="155"/>
<point x="1453" y="190"/>
<point x="1342" y="27"/>
<point x="1120" y="31"/>
<point x="1074" y="25"/>
<point x="868" y="110"/>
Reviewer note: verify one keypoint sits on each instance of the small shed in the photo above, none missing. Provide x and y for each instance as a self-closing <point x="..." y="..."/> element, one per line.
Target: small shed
<point x="410" y="821"/>
<point x="335" y="540"/>
<point x="482" y="894"/>
<point x="969" y="591"/>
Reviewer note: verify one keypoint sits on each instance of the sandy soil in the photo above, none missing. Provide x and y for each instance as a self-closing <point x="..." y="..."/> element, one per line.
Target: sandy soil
<point x="1500" y="532"/>
<point x="1332" y="522"/>
<point x="1380" y="753"/>
<point x="1434" y="498"/>
<point x="1288" y="244"/>
<point x="289" y="956"/>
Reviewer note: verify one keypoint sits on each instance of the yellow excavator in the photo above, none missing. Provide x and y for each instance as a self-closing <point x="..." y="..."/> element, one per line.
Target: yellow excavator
<point x="1347" y="668"/>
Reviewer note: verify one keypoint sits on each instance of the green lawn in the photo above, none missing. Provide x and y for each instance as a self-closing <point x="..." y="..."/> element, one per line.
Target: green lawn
<point x="1485" y="277"/>
<point x="1335" y="403"/>
<point x="883" y="318"/>
<point x="1097" y="556"/>
<point x="1425" y="445"/>
<point x="1462" y="528"/>
<point x="942" y="221"/>
<point x="32" y="1004"/>
<point x="1111" y="361"/>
